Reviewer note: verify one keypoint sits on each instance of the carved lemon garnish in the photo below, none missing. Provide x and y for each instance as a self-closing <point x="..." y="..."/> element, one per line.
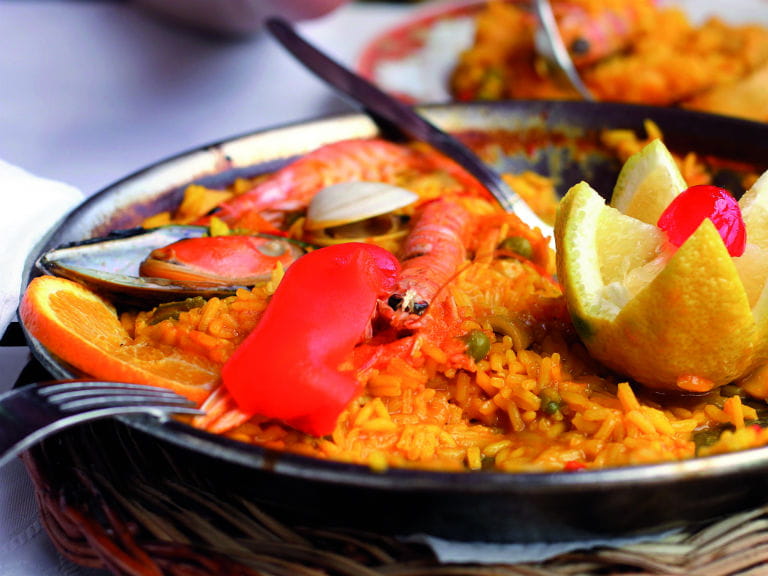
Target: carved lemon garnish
<point x="688" y="317"/>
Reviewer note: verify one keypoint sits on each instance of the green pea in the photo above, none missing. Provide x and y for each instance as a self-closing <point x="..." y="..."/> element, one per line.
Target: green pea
<point x="518" y="245"/>
<point x="478" y="344"/>
<point x="551" y="402"/>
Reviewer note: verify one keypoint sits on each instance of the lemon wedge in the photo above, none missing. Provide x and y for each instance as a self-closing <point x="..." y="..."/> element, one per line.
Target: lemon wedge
<point x="647" y="183"/>
<point x="657" y="315"/>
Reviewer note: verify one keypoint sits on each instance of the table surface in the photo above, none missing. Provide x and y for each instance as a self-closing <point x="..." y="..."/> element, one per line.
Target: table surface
<point x="93" y="91"/>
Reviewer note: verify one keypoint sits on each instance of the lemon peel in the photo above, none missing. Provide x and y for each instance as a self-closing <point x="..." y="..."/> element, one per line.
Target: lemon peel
<point x="753" y="264"/>
<point x="754" y="210"/>
<point x="659" y="316"/>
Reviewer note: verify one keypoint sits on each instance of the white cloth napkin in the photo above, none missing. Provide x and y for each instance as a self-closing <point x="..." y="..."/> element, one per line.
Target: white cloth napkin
<point x="31" y="206"/>
<point x="452" y="552"/>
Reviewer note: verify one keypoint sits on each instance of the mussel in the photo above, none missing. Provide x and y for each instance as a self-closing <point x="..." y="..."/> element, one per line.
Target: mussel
<point x="168" y="263"/>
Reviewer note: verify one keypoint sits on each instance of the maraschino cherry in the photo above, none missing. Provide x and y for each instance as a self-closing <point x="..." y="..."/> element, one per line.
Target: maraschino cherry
<point x="689" y="209"/>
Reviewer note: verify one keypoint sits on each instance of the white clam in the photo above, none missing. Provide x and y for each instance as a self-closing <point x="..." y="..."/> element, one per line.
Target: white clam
<point x="348" y="202"/>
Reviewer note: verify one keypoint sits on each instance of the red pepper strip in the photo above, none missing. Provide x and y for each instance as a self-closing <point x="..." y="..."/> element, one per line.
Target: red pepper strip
<point x="574" y="466"/>
<point x="287" y="368"/>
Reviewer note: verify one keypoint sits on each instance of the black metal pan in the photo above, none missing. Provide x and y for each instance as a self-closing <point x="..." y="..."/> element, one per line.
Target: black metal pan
<point x="465" y="506"/>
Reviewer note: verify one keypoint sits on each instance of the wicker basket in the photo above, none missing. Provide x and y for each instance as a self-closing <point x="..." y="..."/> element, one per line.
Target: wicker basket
<point x="105" y="504"/>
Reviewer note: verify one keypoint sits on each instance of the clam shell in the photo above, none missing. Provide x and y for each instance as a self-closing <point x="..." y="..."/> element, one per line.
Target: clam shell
<point x="347" y="202"/>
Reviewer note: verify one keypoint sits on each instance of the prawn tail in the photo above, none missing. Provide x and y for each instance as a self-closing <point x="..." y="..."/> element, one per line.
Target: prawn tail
<point x="221" y="413"/>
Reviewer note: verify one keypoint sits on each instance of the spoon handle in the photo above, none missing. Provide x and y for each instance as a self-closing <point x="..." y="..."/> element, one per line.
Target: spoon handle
<point x="381" y="105"/>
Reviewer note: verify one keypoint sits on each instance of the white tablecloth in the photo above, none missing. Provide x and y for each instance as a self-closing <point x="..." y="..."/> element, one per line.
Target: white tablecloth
<point x="92" y="91"/>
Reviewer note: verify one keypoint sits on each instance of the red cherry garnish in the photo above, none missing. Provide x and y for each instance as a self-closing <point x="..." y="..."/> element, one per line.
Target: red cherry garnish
<point x="686" y="212"/>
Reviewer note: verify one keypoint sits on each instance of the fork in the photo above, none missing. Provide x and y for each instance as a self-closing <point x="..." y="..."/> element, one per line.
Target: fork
<point x="30" y="413"/>
<point x="550" y="46"/>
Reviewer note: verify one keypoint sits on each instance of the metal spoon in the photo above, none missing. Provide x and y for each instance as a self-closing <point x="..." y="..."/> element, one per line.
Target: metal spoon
<point x="550" y="45"/>
<point x="381" y="106"/>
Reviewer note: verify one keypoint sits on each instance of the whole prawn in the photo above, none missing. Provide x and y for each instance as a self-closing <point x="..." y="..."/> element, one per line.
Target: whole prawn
<point x="292" y="187"/>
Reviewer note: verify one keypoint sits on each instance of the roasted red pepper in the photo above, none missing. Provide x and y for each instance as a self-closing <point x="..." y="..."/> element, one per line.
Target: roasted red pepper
<point x="288" y="367"/>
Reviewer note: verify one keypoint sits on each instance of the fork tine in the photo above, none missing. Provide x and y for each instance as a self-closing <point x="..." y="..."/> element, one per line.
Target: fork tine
<point x="30" y="413"/>
<point x="78" y="385"/>
<point x="113" y="408"/>
<point x="79" y="395"/>
<point x="90" y="403"/>
<point x="92" y="395"/>
<point x="101" y="392"/>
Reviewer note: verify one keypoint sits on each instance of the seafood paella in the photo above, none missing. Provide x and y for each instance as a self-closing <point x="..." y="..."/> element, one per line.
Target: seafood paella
<point x="625" y="50"/>
<point x="370" y="303"/>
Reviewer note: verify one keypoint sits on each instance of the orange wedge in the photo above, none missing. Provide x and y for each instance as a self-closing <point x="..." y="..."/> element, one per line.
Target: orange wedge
<point x="84" y="330"/>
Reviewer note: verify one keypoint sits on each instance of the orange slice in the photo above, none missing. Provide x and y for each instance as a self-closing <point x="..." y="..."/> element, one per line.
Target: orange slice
<point x="84" y="330"/>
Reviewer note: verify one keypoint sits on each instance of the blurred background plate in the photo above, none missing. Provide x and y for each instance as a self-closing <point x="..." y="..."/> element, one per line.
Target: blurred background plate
<point x="414" y="59"/>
